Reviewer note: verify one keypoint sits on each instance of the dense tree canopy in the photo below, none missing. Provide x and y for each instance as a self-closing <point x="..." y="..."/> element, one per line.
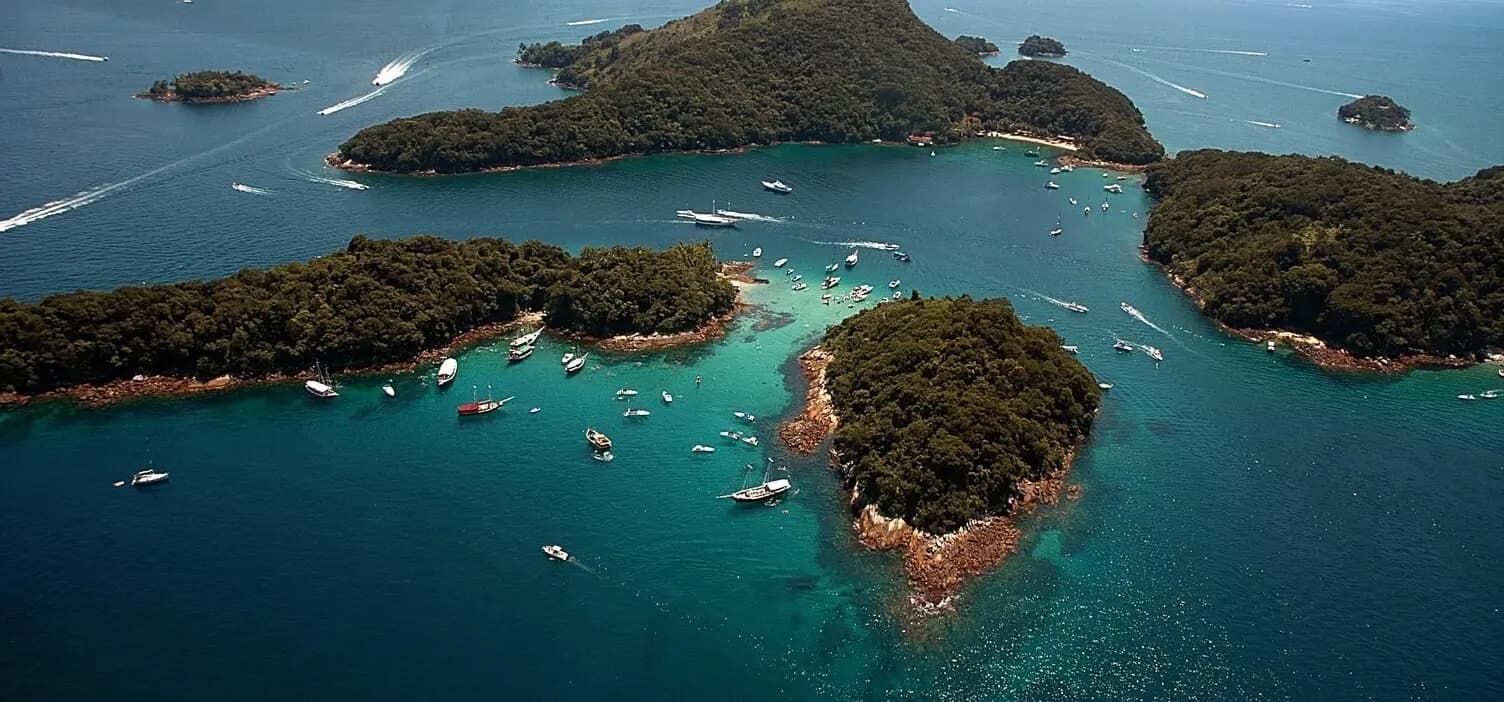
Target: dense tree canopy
<point x="1376" y="112"/>
<point x="377" y="301"/>
<point x="762" y="71"/>
<point x="1041" y="47"/>
<point x="946" y="404"/>
<point x="976" y="45"/>
<point x="557" y="55"/>
<point x="1367" y="259"/>
<point x="208" y="85"/>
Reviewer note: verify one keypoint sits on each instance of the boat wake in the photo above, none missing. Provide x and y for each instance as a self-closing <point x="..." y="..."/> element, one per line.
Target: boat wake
<point x="337" y="182"/>
<point x="336" y="107"/>
<point x="1271" y="81"/>
<point x="879" y="245"/>
<point x="61" y="206"/>
<point x="1271" y="125"/>
<point x="1052" y="300"/>
<point x="748" y="216"/>
<point x="1203" y="51"/>
<point x="583" y="23"/>
<point x="398" y="67"/>
<point x="1188" y="91"/>
<point x="55" y="54"/>
<point x="1140" y="317"/>
<point x="253" y="190"/>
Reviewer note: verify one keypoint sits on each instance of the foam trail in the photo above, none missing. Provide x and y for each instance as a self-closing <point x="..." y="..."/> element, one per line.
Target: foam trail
<point x="1271" y="125"/>
<point x="879" y="245"/>
<point x="1054" y="301"/>
<point x="1188" y="91"/>
<point x="55" y="54"/>
<point x="336" y="107"/>
<point x="1280" y="83"/>
<point x="582" y="23"/>
<point x="749" y="216"/>
<point x="398" y="67"/>
<point x="1204" y="51"/>
<point x="1140" y="317"/>
<point x="253" y="190"/>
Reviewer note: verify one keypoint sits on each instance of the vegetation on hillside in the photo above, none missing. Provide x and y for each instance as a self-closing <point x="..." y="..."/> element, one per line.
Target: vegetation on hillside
<point x="1376" y="112"/>
<point x="1041" y="47"/>
<point x="1367" y="259"/>
<point x="377" y="301"/>
<point x="762" y="71"/>
<point x="976" y="45"/>
<point x="208" y="85"/>
<point x="946" y="404"/>
<point x="556" y="55"/>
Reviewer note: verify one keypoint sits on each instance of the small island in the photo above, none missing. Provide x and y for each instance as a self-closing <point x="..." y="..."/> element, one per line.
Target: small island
<point x="375" y="304"/>
<point x="1376" y="112"/>
<point x="1041" y="47"/>
<point x="211" y="87"/>
<point x="754" y="72"/>
<point x="1355" y="266"/>
<point x="951" y="417"/>
<point x="977" y="45"/>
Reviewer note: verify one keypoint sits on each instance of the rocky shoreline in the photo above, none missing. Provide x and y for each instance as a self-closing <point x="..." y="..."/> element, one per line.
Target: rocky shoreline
<point x="256" y="94"/>
<point x="1078" y="162"/>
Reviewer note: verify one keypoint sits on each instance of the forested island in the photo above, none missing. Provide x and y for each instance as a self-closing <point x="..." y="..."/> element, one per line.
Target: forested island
<point x="557" y="55"/>
<point x="751" y="72"/>
<point x="949" y="414"/>
<point x="977" y="45"/>
<point x="1376" y="112"/>
<point x="1041" y="47"/>
<point x="211" y="86"/>
<point x="375" y="302"/>
<point x="1372" y="262"/>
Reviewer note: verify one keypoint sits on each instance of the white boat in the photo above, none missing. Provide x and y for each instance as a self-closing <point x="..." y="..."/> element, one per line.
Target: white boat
<point x="1054" y="171"/>
<point x="1113" y="188"/>
<point x="566" y="359"/>
<point x="796" y="278"/>
<point x="1491" y="394"/>
<point x="1468" y="396"/>
<point x="898" y="294"/>
<point x="1051" y="185"/>
<point x="800" y="286"/>
<point x="757" y="252"/>
<point x="556" y="552"/>
<point x="1086" y="211"/>
<point x="1071" y="348"/>
<point x="535" y="410"/>
<point x="148" y="476"/>
<point x="749" y="440"/>
<point x="760" y="492"/>
<point x="323" y="386"/>
<point x="447" y="370"/>
<point x="892" y="284"/>
<point x="1105" y="206"/>
<point x="1501" y="372"/>
<point x="603" y="456"/>
<point x="527" y="339"/>
<point x="518" y="353"/>
<point x="1154" y="353"/>
<point x="1077" y="307"/>
<point x="1073" y="201"/>
<point x="576" y="364"/>
<point x="851" y="260"/>
<point x="1121" y="345"/>
<point x="706" y="219"/>
<point x="667" y="398"/>
<point x="701" y="448"/>
<point x="1130" y="309"/>
<point x="830" y="282"/>
<point x="636" y="413"/>
<point x="1269" y="346"/>
<point x="626" y="394"/>
<point x="745" y="416"/>
<point x="1105" y="386"/>
<point x="1042" y="163"/>
<point x="732" y="435"/>
<point x="388" y="390"/>
<point x="1067" y="168"/>
<point x="777" y="186"/>
<point x="832" y="267"/>
<point x="779" y="263"/>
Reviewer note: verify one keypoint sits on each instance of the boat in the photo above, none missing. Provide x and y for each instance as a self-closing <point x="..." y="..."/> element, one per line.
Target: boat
<point x="1071" y="348"/>
<point x="1468" y="396"/>
<point x="447" y="370"/>
<point x="706" y="219"/>
<point x="1042" y="163"/>
<point x="1491" y="394"/>
<point x="1032" y="153"/>
<point x="518" y="353"/>
<point x="567" y="358"/>
<point x="999" y="148"/>
<point x="148" y="476"/>
<point x="667" y="398"/>
<point x="1105" y="205"/>
<point x="1054" y="171"/>
<point x="777" y="186"/>
<point x="527" y="339"/>
<point x="1121" y="345"/>
<point x="1122" y="177"/>
<point x="486" y="406"/>
<point x="749" y="440"/>
<point x="1130" y="309"/>
<point x="796" y="278"/>
<point x="1154" y="353"/>
<point x="1086" y="211"/>
<point x="636" y="413"/>
<point x="851" y="260"/>
<point x="788" y="271"/>
<point x="388" y="390"/>
<point x="1074" y="202"/>
<point x="898" y="294"/>
<point x="1067" y="168"/>
<point x="1077" y="307"/>
<point x="323" y="386"/>
<point x="576" y="364"/>
<point x="1058" y="230"/>
<point x="535" y="410"/>
<point x="830" y="282"/>
<point x="1269" y="347"/>
<point x="597" y="440"/>
<point x="701" y="448"/>
<point x="556" y="552"/>
<point x="800" y="286"/>
<point x="626" y="394"/>
<point x="1051" y="185"/>
<point x="744" y="416"/>
<point x="894" y="284"/>
<point x="1105" y="386"/>
<point x="1501" y="372"/>
<point x="757" y="252"/>
<point x="603" y="456"/>
<point x="901" y="256"/>
<point x="779" y="263"/>
<point x="732" y="435"/>
<point x="1113" y="188"/>
<point x="760" y="492"/>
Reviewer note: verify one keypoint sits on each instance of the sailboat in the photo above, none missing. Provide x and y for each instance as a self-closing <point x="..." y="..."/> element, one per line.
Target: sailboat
<point x="148" y="475"/>
<point x="527" y="339"/>
<point x="575" y="364"/>
<point x="323" y="387"/>
<point x="474" y="407"/>
<point x="760" y="492"/>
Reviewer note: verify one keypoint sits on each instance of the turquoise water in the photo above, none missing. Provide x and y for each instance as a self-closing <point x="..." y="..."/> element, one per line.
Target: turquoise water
<point x="1251" y="527"/>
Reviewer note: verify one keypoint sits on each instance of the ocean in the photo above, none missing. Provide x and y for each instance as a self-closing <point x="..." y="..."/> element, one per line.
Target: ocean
<point x="1250" y="528"/>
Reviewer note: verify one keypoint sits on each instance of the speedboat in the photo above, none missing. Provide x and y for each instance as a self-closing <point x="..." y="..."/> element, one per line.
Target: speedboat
<point x="898" y="294"/>
<point x="777" y="186"/>
<point x="701" y="448"/>
<point x="830" y="282"/>
<point x="757" y="252"/>
<point x="779" y="263"/>
<point x="518" y="353"/>
<point x="800" y="286"/>
<point x="667" y="398"/>
<point x="476" y="407"/>
<point x="556" y="552"/>
<point x="1154" y="353"/>
<point x="1121" y="345"/>
<point x="1105" y="386"/>
<point x="636" y="413"/>
<point x="1051" y="185"/>
<point x="1042" y="163"/>
<point x="851" y="260"/>
<point x="447" y="370"/>
<point x="597" y="440"/>
<point x="535" y="410"/>
<point x="148" y="476"/>
<point x="576" y="364"/>
<point x="566" y="359"/>
<point x="1073" y="201"/>
<point x="626" y="394"/>
<point x="745" y="416"/>
<point x="1468" y="396"/>
<point x="1113" y="188"/>
<point x="732" y="435"/>
<point x="894" y="284"/>
<point x="1054" y="171"/>
<point x="1077" y="307"/>
<point x="388" y="390"/>
<point x="1490" y="394"/>
<point x="749" y="440"/>
<point x="1069" y="348"/>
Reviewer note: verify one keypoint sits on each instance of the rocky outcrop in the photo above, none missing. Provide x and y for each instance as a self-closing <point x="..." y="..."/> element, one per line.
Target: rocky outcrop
<point x="804" y="433"/>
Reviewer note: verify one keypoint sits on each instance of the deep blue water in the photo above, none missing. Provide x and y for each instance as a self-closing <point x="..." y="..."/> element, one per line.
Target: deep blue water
<point x="1251" y="527"/>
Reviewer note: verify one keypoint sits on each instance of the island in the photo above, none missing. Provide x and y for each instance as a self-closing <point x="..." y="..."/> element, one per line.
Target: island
<point x="1376" y="112"/>
<point x="211" y="87"/>
<point x="759" y="72"/>
<point x="950" y="417"/>
<point x="1041" y="47"/>
<point x="561" y="57"/>
<point x="977" y="45"/>
<point x="1356" y="266"/>
<point x="376" y="304"/>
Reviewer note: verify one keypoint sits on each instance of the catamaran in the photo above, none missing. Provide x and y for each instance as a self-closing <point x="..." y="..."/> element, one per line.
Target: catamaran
<point x="447" y="370"/>
<point x="777" y="186"/>
<point x="763" y="491"/>
<point x="323" y="387"/>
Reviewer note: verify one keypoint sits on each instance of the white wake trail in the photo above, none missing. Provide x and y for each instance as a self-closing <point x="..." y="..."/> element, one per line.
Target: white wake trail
<point x="582" y="23"/>
<point x="251" y="189"/>
<point x="879" y="245"/>
<point x="55" y="54"/>
<point x="1188" y="91"/>
<point x="1271" y="125"/>
<point x="336" y="107"/>
<point x="397" y="67"/>
<point x="1280" y="83"/>
<point x="1203" y="51"/>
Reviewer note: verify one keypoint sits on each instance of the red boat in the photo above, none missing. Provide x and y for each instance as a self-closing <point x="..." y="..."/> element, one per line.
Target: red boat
<point x="481" y="406"/>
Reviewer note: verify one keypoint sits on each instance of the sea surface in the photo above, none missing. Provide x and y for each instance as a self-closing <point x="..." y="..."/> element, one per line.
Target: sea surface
<point x="1251" y="527"/>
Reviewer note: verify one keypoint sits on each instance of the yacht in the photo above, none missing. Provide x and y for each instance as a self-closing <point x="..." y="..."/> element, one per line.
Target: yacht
<point x="1154" y="353"/>
<point x="1058" y="230"/>
<point x="476" y="407"/>
<point x="636" y="413"/>
<point x="447" y="370"/>
<point x="763" y="491"/>
<point x="851" y="260"/>
<point x="323" y="387"/>
<point x="830" y="282"/>
<point x="148" y="476"/>
<point x="576" y="364"/>
<point x="732" y="435"/>
<point x="710" y="220"/>
<point x="527" y="339"/>
<point x="1070" y="348"/>
<point x="597" y="440"/>
<point x="745" y="416"/>
<point x="1051" y="185"/>
<point x="1105" y="386"/>
<point x="1121" y="345"/>
<point x="779" y="263"/>
<point x="901" y="256"/>
<point x="517" y="353"/>
<point x="1077" y="307"/>
<point x="556" y="552"/>
<point x="626" y="394"/>
<point x="701" y="448"/>
<point x="388" y="390"/>
<point x="1468" y="396"/>
<point x="777" y="186"/>
<point x="749" y="440"/>
<point x="667" y="398"/>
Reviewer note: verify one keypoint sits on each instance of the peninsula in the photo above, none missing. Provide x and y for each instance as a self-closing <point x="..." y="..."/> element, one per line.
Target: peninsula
<point x="1376" y="112"/>
<point x="758" y="72"/>
<point x="950" y="418"/>
<point x="210" y="87"/>
<point x="1041" y="47"/>
<point x="1381" y="270"/>
<point x="977" y="45"/>
<point x="377" y="302"/>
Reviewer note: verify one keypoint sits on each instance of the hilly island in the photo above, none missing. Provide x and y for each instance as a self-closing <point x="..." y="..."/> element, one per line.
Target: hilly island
<point x="754" y="72"/>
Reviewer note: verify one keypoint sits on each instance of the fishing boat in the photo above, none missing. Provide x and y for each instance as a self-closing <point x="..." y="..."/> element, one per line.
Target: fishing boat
<point x="597" y="440"/>
<point x="1077" y="307"/>
<point x="603" y="456"/>
<point x="148" y="476"/>
<point x="732" y="435"/>
<point x="701" y="448"/>
<point x="667" y="398"/>
<point x="777" y="186"/>
<point x="1071" y="348"/>
<point x="447" y="370"/>
<point x="749" y="440"/>
<point x="576" y="364"/>
<point x="388" y="390"/>
<point x="1121" y="345"/>
<point x="757" y="252"/>
<point x="626" y="394"/>
<point x="1051" y="185"/>
<point x="1154" y="353"/>
<point x="477" y="407"/>
<point x="800" y="286"/>
<point x="1105" y="386"/>
<point x="323" y="386"/>
<point x="635" y="413"/>
<point x="556" y="552"/>
<point x="851" y="260"/>
<point x="527" y="339"/>
<point x="779" y="263"/>
<point x="760" y="492"/>
<point x="517" y="353"/>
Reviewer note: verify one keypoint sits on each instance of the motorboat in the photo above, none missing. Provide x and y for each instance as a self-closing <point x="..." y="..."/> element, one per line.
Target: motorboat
<point x="1086" y="211"/>
<point x="706" y="219"/>
<point x="527" y="339"/>
<point x="597" y="440"/>
<point x="1058" y="230"/>
<point x="1121" y="345"/>
<point x="1071" y="348"/>
<point x="1491" y="394"/>
<point x="388" y="390"/>
<point x="1031" y="153"/>
<point x="566" y="359"/>
<point x="1501" y="372"/>
<point x="757" y="252"/>
<point x="749" y="440"/>
<point x="788" y="271"/>
<point x="556" y="552"/>
<point x="1051" y="185"/>
<point x="851" y="260"/>
<point x="832" y="267"/>
<point x="535" y="410"/>
<point x="1074" y="202"/>
<point x="830" y="282"/>
<point x="576" y="364"/>
<point x="486" y="406"/>
<point x="636" y="413"/>
<point x="1054" y="171"/>
<point x="667" y="398"/>
<point x="779" y="263"/>
<point x="1042" y="163"/>
<point x="892" y="284"/>
<point x="796" y="278"/>
<point x="447" y="370"/>
<point x="323" y="386"/>
<point x="517" y="353"/>
<point x="1067" y="168"/>
<point x="626" y="394"/>
<point x="1468" y="396"/>
<point x="777" y="186"/>
<point x="148" y="476"/>
<point x="1154" y="353"/>
<point x="603" y="456"/>
<point x="732" y="435"/>
<point x="800" y="286"/>
<point x="701" y="448"/>
<point x="898" y="294"/>
<point x="1105" y="206"/>
<point x="1105" y="386"/>
<point x="1130" y="309"/>
<point x="744" y="416"/>
<point x="1269" y="346"/>
<point x="1077" y="307"/>
<point x="901" y="256"/>
<point x="1113" y="188"/>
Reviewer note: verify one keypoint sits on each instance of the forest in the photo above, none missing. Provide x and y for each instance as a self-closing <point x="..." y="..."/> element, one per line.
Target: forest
<point x="377" y="301"/>
<point x="946" y="404"/>
<point x="976" y="45"/>
<point x="751" y="72"/>
<point x="208" y="85"/>
<point x="1367" y="259"/>
<point x="556" y="55"/>
<point x="1376" y="112"/>
<point x="1041" y="47"/>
